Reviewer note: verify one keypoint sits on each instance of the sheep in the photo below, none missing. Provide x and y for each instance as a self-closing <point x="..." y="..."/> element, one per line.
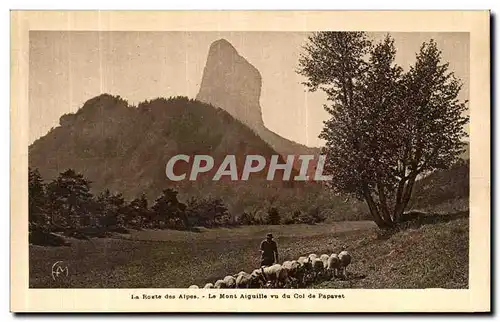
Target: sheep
<point x="291" y="267"/>
<point x="220" y="284"/>
<point x="345" y="259"/>
<point x="333" y="265"/>
<point x="320" y="271"/>
<point x="257" y="279"/>
<point x="275" y="275"/>
<point x="304" y="261"/>
<point x="324" y="258"/>
<point x="193" y="286"/>
<point x="230" y="281"/>
<point x="294" y="271"/>
<point x="317" y="267"/>
<point x="306" y="267"/>
<point x="313" y="259"/>
<point x="243" y="280"/>
<point x="241" y="272"/>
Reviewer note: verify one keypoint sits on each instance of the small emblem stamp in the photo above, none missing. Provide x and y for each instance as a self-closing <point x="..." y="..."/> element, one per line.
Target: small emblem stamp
<point x="59" y="269"/>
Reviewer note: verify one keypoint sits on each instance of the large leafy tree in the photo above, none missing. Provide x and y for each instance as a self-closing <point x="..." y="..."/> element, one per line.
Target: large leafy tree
<point x="69" y="197"/>
<point x="138" y="212"/>
<point x="207" y="212"/>
<point x="386" y="127"/>
<point x="111" y="208"/>
<point x="169" y="209"/>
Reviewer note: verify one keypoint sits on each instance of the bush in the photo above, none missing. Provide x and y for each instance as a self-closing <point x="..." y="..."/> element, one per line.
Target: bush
<point x="287" y="220"/>
<point x="274" y="216"/>
<point x="306" y="218"/>
<point x="261" y="217"/>
<point x="296" y="216"/>
<point x="316" y="215"/>
<point x="246" y="219"/>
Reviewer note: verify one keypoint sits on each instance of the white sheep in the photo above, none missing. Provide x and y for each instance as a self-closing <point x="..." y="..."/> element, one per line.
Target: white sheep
<point x="306" y="267"/>
<point x="230" y="281"/>
<point x="220" y="284"/>
<point x="294" y="271"/>
<point x="345" y="259"/>
<point x="317" y="267"/>
<point x="243" y="280"/>
<point x="333" y="265"/>
<point x="209" y="285"/>
<point x="275" y="275"/>
<point x="289" y="265"/>
<point x="241" y="272"/>
<point x="193" y="286"/>
<point x="304" y="261"/>
<point x="257" y="278"/>
<point x="324" y="259"/>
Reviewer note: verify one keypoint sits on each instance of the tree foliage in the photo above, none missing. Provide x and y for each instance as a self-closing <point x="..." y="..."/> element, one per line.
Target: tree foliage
<point x="274" y="216"/>
<point x="386" y="126"/>
<point x="208" y="212"/>
<point x="112" y="209"/>
<point x="169" y="210"/>
<point x="138" y="213"/>
<point x="37" y="199"/>
<point x="69" y="197"/>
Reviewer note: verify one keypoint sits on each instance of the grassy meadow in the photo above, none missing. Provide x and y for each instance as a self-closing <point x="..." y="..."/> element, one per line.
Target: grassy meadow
<point x="426" y="254"/>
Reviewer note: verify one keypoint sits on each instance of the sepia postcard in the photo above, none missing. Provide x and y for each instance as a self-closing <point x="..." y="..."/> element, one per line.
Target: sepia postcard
<point x="250" y="161"/>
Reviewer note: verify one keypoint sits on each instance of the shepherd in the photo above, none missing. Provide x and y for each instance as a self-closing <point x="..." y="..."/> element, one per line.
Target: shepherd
<point x="269" y="251"/>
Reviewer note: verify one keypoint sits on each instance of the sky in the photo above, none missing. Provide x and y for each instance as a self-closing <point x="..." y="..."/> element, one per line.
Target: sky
<point x="66" y="68"/>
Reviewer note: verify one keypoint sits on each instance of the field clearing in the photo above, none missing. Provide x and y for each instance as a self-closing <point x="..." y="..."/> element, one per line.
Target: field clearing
<point x="428" y="256"/>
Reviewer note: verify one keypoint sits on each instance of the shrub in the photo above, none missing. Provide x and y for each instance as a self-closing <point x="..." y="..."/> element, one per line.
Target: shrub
<point x="306" y="218"/>
<point x="274" y="216"/>
<point x="246" y="219"/>
<point x="316" y="215"/>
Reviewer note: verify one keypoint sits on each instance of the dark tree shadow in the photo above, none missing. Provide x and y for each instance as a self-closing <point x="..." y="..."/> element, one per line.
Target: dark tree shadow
<point x="417" y="219"/>
<point x="422" y="218"/>
<point x="42" y="238"/>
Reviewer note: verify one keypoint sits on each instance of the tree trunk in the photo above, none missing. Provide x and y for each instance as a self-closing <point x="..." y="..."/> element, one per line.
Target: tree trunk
<point x="404" y="198"/>
<point x="381" y="223"/>
<point x="399" y="193"/>
<point x="383" y="204"/>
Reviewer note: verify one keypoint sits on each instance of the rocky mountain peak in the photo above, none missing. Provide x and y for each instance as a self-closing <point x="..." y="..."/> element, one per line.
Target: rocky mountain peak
<point x="230" y="82"/>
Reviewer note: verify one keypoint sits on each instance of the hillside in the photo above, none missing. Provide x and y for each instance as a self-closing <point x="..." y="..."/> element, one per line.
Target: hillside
<point x="125" y="149"/>
<point x="427" y="256"/>
<point x="446" y="190"/>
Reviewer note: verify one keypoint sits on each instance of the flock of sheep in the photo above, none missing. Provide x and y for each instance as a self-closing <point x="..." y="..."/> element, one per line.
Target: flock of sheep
<point x="290" y="274"/>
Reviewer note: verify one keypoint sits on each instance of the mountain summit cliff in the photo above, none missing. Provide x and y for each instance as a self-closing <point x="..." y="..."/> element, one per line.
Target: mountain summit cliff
<point x="233" y="84"/>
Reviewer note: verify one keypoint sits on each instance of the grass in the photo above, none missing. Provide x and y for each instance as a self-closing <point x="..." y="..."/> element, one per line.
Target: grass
<point x="166" y="259"/>
<point x="431" y="255"/>
<point x="434" y="255"/>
